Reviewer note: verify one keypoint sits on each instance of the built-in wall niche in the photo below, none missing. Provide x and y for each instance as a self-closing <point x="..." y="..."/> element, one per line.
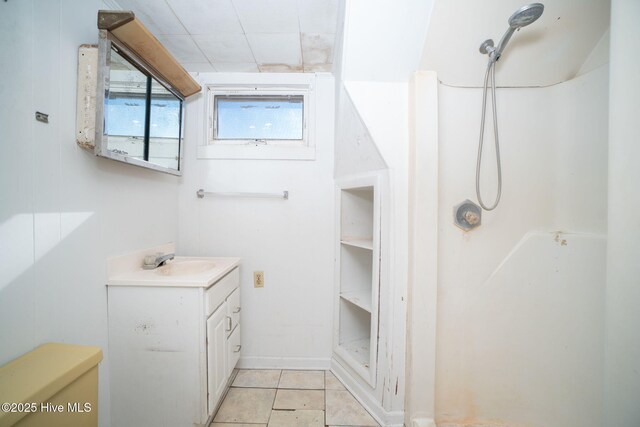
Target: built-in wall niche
<point x="358" y="274"/>
<point x="130" y="96"/>
<point x="355" y="334"/>
<point x="356" y="216"/>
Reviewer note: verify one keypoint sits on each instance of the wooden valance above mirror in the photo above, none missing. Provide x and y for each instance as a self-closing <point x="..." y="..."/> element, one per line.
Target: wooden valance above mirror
<point x="124" y="26"/>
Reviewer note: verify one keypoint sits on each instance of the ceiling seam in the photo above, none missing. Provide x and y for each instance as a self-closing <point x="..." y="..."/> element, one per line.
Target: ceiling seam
<point x="178" y="19"/>
<point x="244" y="32"/>
<point x="300" y="36"/>
<point x="189" y="34"/>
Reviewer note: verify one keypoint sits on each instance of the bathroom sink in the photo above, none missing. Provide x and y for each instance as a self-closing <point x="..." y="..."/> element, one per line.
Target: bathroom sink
<point x="185" y="267"/>
<point x="178" y="272"/>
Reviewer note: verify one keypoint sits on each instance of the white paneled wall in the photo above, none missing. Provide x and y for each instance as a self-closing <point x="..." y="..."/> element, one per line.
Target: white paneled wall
<point x="63" y="210"/>
<point x="288" y="323"/>
<point x="17" y="291"/>
<point x="622" y="380"/>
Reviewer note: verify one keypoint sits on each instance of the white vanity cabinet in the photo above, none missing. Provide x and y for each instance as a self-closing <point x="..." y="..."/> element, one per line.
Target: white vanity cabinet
<point x="172" y="348"/>
<point x="223" y="335"/>
<point x="217" y="370"/>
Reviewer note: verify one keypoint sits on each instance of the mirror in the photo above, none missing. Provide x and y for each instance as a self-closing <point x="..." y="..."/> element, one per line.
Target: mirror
<point x="141" y="115"/>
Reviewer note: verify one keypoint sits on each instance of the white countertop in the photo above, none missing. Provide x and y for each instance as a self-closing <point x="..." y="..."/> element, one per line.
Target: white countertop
<point x="171" y="275"/>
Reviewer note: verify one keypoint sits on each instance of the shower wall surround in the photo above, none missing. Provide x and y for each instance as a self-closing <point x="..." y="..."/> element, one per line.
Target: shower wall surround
<point x="520" y="306"/>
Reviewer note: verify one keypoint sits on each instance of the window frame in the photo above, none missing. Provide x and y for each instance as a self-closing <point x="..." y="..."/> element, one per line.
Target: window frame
<point x="256" y="93"/>
<point x="271" y="149"/>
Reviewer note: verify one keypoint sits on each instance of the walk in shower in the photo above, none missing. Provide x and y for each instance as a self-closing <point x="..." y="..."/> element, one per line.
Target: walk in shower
<point x="518" y="329"/>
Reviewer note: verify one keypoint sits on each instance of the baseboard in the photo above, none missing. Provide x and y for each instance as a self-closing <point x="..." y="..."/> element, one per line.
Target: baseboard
<point x="473" y="424"/>
<point x="423" y="422"/>
<point x="383" y="417"/>
<point x="255" y="362"/>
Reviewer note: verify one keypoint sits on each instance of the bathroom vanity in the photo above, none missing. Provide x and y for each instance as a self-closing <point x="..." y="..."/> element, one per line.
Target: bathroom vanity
<point x="174" y="339"/>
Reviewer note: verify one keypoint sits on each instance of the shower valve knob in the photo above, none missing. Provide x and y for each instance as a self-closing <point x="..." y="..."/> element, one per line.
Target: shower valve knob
<point x="471" y="217"/>
<point x="467" y="215"/>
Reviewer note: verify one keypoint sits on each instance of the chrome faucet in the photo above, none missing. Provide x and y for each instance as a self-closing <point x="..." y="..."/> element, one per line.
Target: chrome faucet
<point x="155" y="261"/>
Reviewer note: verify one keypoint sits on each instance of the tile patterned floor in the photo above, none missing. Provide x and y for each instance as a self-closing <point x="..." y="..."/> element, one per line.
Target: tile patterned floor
<point x="286" y="398"/>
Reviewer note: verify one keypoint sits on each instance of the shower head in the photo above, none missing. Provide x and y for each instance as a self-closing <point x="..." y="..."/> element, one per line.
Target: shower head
<point x="526" y="15"/>
<point x="521" y="18"/>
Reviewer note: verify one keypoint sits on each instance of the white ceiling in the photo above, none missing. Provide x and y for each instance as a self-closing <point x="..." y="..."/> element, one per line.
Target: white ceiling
<point x="549" y="51"/>
<point x="243" y="35"/>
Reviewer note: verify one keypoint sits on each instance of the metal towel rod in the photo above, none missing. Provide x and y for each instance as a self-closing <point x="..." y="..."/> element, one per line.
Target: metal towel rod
<point x="284" y="195"/>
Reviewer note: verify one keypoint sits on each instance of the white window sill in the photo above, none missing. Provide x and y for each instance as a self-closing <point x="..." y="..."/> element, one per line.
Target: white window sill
<point x="256" y="152"/>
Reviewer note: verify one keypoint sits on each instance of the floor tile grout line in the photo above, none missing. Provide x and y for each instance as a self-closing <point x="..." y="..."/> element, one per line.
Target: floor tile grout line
<point x="325" y="399"/>
<point x="272" y="404"/>
<point x="298" y="389"/>
<point x="279" y="379"/>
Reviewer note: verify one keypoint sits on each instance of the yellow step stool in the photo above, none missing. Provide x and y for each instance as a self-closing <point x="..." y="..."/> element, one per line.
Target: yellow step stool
<point x="55" y="385"/>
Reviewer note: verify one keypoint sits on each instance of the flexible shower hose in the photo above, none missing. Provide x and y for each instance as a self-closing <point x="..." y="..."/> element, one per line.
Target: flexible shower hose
<point x="490" y="71"/>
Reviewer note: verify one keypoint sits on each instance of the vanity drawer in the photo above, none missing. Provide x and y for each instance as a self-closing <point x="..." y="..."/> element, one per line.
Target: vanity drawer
<point x="233" y="350"/>
<point x="233" y="307"/>
<point x="219" y="291"/>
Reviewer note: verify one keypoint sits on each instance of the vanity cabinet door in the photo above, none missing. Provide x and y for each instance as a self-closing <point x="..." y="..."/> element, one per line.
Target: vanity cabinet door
<point x="233" y="350"/>
<point x="216" y="356"/>
<point x="233" y="309"/>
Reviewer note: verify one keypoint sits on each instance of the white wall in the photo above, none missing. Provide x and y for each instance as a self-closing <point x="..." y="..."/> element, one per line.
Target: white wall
<point x="288" y="323"/>
<point x="63" y="210"/>
<point x="356" y="151"/>
<point x="520" y="308"/>
<point x="623" y="269"/>
<point x="422" y="283"/>
<point x="384" y="39"/>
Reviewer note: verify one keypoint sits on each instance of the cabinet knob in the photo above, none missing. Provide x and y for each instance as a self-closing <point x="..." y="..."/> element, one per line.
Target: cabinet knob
<point x="229" y="324"/>
<point x="237" y="350"/>
<point x="237" y="310"/>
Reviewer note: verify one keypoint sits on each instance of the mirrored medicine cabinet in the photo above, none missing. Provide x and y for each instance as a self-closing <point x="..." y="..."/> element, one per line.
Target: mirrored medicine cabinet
<point x="140" y="91"/>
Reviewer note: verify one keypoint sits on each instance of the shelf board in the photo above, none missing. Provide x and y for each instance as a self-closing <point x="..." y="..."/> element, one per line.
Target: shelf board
<point x="358" y="243"/>
<point x="359" y="351"/>
<point x="360" y="299"/>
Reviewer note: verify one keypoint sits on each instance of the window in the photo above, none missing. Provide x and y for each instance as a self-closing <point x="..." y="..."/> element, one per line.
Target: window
<point x="258" y="118"/>
<point x="259" y="122"/>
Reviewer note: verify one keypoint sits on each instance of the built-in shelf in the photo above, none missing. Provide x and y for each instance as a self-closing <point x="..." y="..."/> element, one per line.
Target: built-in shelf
<point x="358" y="243"/>
<point x="359" y="351"/>
<point x="360" y="299"/>
<point x="358" y="268"/>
